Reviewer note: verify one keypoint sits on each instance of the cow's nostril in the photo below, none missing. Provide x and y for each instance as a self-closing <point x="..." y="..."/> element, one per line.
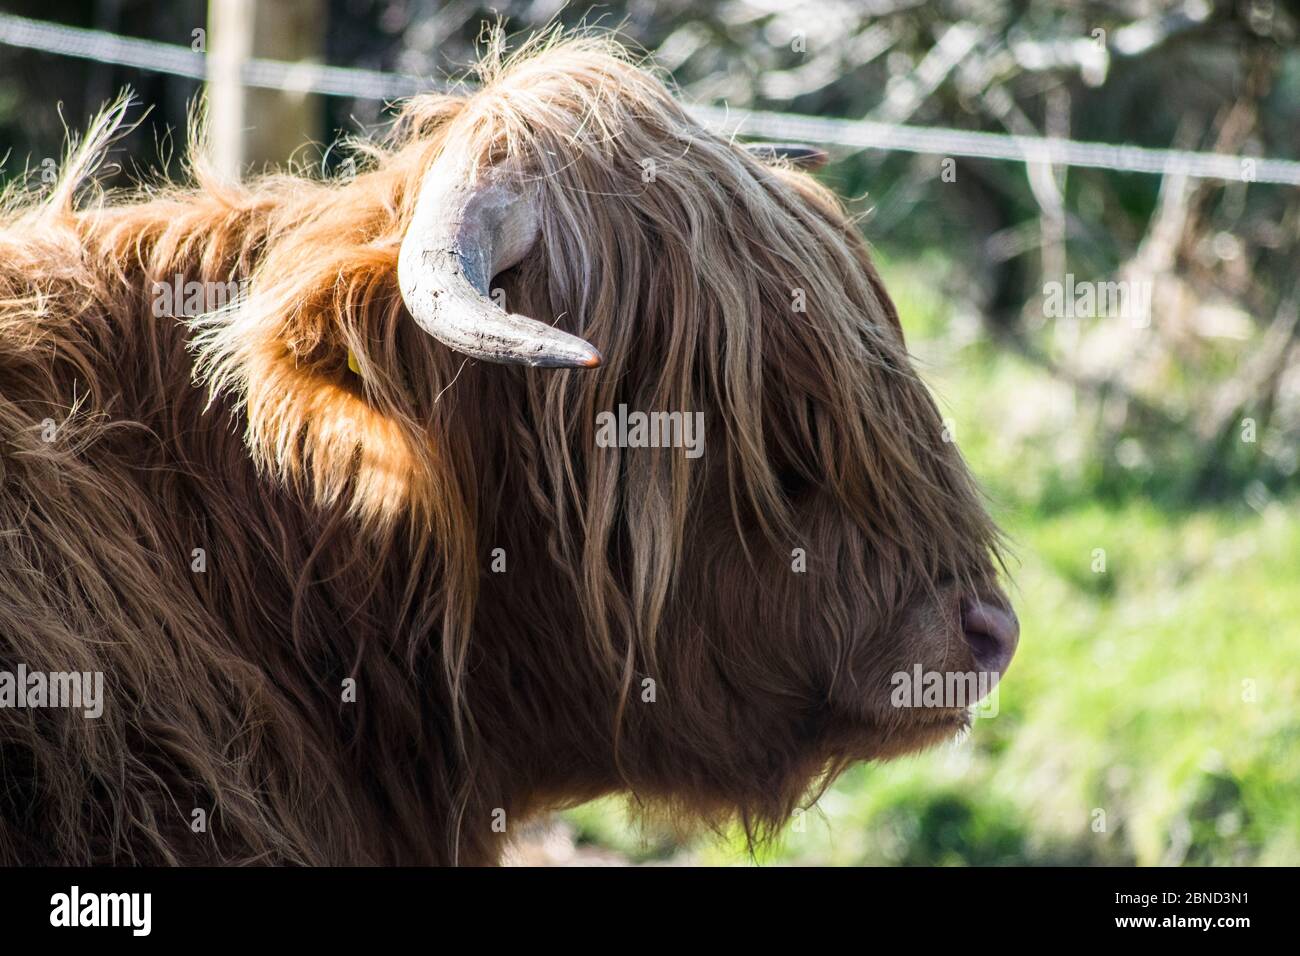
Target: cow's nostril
<point x="992" y="633"/>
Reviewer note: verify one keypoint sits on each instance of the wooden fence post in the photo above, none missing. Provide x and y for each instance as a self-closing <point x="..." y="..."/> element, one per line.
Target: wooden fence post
<point x="250" y="127"/>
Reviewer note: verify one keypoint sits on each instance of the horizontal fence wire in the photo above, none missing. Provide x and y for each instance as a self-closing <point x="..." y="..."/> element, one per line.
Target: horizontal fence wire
<point x="855" y="135"/>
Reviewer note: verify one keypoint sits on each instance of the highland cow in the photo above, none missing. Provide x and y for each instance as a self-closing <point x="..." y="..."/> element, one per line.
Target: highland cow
<point x="363" y="586"/>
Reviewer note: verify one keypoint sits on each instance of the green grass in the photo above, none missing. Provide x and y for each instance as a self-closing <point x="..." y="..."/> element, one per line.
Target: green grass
<point x="1152" y="715"/>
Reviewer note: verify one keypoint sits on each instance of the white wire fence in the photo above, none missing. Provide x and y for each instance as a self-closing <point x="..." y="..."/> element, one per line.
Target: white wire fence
<point x="326" y="80"/>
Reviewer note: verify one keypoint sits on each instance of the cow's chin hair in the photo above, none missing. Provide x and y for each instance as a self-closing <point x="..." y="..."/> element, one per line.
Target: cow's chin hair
<point x="763" y="814"/>
<point x="855" y="741"/>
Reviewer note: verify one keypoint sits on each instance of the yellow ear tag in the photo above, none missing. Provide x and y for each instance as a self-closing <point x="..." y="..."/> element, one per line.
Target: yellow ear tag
<point x="352" y="363"/>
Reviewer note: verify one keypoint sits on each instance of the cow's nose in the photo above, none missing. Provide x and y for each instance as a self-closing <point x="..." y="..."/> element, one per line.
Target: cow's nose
<point x="992" y="633"/>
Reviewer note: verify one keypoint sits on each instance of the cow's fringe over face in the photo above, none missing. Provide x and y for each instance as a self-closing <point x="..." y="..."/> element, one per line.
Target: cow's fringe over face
<point x="533" y="619"/>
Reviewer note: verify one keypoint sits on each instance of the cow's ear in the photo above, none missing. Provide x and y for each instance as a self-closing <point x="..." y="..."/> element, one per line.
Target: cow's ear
<point x="800" y="154"/>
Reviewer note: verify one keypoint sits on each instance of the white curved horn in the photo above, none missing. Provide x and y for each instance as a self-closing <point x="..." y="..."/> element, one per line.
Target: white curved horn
<point x="465" y="230"/>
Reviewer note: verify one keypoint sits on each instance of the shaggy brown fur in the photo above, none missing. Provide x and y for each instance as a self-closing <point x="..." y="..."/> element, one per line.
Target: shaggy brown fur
<point x="348" y="521"/>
